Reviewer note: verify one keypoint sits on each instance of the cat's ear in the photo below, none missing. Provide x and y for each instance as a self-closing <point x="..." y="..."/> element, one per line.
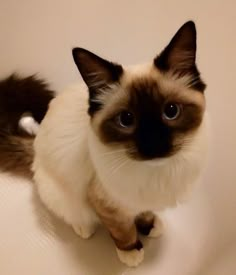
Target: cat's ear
<point x="180" y="54"/>
<point x="96" y="72"/>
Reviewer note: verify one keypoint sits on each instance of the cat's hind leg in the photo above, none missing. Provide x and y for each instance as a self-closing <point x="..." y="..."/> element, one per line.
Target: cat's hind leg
<point x="71" y="206"/>
<point x="86" y="225"/>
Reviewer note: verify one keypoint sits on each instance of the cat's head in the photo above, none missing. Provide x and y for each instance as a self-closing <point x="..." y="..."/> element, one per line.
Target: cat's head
<point x="149" y="111"/>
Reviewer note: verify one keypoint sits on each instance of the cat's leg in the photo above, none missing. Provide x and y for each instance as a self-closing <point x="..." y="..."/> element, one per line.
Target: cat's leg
<point x="62" y="201"/>
<point x="149" y="224"/>
<point x="120" y="225"/>
<point x="86" y="225"/>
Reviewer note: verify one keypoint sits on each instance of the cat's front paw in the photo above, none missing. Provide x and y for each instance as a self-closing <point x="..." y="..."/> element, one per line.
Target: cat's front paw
<point x="149" y="224"/>
<point x="131" y="258"/>
<point x="84" y="231"/>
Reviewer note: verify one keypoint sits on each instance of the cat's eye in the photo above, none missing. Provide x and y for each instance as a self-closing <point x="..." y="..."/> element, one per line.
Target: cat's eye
<point x="125" y="119"/>
<point x="171" y="111"/>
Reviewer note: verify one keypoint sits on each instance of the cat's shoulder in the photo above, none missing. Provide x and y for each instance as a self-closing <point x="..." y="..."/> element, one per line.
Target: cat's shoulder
<point x="71" y="97"/>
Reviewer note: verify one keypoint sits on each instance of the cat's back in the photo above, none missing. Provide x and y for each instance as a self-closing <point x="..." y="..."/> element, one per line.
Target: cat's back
<point x="71" y="101"/>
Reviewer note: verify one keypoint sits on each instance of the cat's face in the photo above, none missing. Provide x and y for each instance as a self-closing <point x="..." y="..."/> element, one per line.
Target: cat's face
<point x="150" y="111"/>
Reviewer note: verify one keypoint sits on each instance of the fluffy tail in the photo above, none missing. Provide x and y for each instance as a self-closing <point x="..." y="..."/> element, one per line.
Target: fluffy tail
<point x="23" y="105"/>
<point x="16" y="154"/>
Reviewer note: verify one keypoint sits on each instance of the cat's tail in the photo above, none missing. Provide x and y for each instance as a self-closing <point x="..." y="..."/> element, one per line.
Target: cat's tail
<point x="23" y="105"/>
<point x="16" y="154"/>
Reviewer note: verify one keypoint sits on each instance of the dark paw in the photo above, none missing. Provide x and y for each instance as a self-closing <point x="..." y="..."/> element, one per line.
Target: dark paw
<point x="145" y="222"/>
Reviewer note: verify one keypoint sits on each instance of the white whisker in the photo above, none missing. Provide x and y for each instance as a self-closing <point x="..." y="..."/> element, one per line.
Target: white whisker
<point x="114" y="151"/>
<point x="117" y="162"/>
<point x="120" y="166"/>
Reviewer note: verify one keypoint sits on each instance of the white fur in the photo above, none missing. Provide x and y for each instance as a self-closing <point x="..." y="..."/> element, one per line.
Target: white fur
<point x="62" y="165"/>
<point x="68" y="152"/>
<point x="148" y="187"/>
<point x="28" y="124"/>
<point x="131" y="258"/>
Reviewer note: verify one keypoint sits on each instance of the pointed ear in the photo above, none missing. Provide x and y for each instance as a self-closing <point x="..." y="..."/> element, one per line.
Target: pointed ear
<point x="96" y="72"/>
<point x="180" y="54"/>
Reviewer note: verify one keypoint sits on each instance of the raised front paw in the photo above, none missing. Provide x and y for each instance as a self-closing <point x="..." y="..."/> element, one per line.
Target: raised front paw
<point x="157" y="228"/>
<point x="149" y="224"/>
<point x="131" y="258"/>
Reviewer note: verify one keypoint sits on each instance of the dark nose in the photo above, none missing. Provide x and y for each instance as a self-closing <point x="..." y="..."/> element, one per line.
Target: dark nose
<point x="154" y="143"/>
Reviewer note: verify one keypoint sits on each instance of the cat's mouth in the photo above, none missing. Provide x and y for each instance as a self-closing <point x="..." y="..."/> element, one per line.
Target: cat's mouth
<point x="156" y="162"/>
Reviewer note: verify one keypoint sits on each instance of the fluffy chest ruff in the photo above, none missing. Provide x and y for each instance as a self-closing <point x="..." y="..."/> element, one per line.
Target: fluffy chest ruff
<point x="149" y="185"/>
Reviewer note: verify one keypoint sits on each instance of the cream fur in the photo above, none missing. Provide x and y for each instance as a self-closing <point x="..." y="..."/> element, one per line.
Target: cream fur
<point x="62" y="167"/>
<point x="131" y="258"/>
<point x="69" y="155"/>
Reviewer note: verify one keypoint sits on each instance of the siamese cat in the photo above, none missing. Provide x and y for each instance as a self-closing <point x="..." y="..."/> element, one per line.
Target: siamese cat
<point x="125" y="143"/>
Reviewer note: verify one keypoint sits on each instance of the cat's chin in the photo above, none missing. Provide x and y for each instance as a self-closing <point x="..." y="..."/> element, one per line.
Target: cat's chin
<point x="156" y="162"/>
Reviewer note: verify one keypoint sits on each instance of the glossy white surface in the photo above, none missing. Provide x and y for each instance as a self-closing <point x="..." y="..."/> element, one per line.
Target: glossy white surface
<point x="200" y="239"/>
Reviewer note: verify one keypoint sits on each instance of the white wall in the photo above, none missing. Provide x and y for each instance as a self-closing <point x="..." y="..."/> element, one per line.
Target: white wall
<point x="37" y="36"/>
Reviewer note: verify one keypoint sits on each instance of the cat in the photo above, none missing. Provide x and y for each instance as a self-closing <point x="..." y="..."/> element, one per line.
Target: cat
<point x="125" y="143"/>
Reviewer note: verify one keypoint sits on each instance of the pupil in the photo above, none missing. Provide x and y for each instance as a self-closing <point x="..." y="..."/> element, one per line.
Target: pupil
<point x="126" y="119"/>
<point x="171" y="110"/>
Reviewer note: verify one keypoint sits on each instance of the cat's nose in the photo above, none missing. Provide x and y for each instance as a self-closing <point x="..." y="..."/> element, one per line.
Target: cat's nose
<point x="153" y="145"/>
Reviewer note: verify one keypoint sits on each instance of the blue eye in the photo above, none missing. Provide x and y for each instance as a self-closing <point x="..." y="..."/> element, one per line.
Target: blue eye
<point x="125" y="119"/>
<point x="171" y="111"/>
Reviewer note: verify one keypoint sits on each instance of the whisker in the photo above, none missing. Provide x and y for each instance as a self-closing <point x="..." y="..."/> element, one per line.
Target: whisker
<point x="116" y="163"/>
<point x="113" y="152"/>
<point x="120" y="166"/>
